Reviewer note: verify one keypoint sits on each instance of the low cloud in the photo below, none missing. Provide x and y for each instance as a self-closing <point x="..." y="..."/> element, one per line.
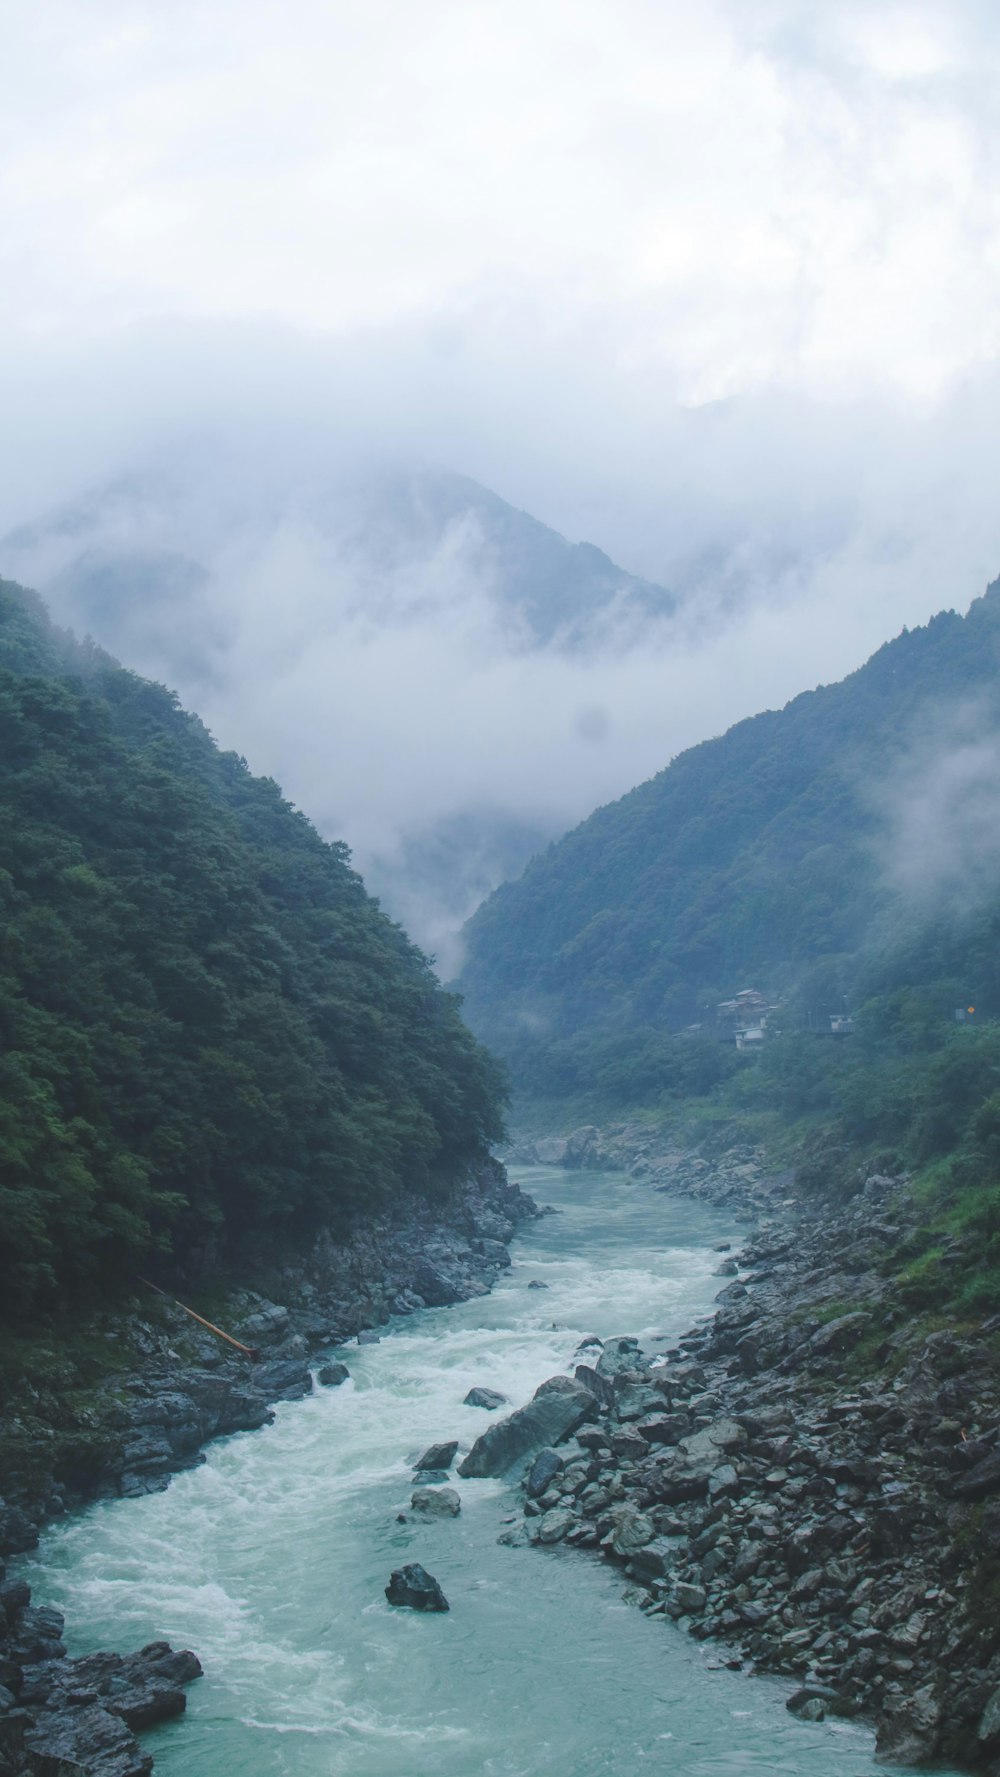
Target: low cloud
<point x="942" y="846"/>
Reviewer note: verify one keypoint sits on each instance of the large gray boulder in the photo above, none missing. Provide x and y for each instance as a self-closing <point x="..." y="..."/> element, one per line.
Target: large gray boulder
<point x="332" y="1375"/>
<point x="553" y="1415"/>
<point x="438" y="1456"/>
<point x="436" y="1502"/>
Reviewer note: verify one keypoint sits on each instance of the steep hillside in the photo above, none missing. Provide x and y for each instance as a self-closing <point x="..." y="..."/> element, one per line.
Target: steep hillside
<point x="209" y="1032"/>
<point x="250" y="577"/>
<point x="768" y="858"/>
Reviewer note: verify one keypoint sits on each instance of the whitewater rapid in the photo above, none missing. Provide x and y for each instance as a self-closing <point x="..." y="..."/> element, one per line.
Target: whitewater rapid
<point x="271" y="1558"/>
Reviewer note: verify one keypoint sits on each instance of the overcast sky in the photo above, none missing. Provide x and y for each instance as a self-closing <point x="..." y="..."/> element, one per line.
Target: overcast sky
<point x="714" y="286"/>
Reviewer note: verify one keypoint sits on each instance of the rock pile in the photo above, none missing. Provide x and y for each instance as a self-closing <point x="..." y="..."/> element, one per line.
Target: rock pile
<point x="804" y="1481"/>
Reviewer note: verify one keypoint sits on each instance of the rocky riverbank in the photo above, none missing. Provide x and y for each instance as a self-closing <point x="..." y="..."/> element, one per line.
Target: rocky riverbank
<point x="160" y="1387"/>
<point x="137" y="1394"/>
<point x="78" y="1718"/>
<point x="811" y="1479"/>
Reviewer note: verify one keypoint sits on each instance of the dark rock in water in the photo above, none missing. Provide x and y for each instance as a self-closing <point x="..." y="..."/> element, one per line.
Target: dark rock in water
<point x="537" y="1284"/>
<point x="436" y="1502"/>
<point x="416" y="1589"/>
<point x="332" y="1375"/>
<point x="439" y="1456"/>
<point x="485" y="1397"/>
<point x="728" y="1268"/>
<point x="549" y="1418"/>
<point x="366" y="1338"/>
<point x="542" y="1472"/>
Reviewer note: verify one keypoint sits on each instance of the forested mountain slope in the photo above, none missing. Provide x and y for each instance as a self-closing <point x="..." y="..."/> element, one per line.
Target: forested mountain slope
<point x="767" y="858"/>
<point x="208" y="1030"/>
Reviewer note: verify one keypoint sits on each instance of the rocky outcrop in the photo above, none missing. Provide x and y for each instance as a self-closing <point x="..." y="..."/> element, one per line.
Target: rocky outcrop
<point x="78" y="1716"/>
<point x="551" y="1415"/>
<point x="415" y="1589"/>
<point x="172" y="1387"/>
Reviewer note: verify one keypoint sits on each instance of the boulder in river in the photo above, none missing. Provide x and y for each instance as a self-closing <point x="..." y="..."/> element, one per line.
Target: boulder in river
<point x="414" y="1588"/>
<point x="439" y="1456"/>
<point x="552" y="1416"/>
<point x="436" y="1502"/>
<point x="485" y="1397"/>
<point x="332" y="1375"/>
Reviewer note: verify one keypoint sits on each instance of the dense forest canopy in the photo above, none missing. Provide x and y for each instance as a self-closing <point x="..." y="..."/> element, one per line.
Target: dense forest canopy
<point x="208" y="1030"/>
<point x="760" y="859"/>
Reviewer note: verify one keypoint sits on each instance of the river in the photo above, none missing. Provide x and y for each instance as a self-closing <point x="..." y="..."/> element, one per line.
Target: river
<point x="270" y="1559"/>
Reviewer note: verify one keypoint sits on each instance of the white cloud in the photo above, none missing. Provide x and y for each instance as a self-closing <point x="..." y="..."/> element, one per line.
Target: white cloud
<point x="749" y="194"/>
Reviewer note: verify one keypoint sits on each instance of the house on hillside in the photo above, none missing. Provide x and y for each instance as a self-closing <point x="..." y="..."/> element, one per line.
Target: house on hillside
<point x="744" y="1017"/>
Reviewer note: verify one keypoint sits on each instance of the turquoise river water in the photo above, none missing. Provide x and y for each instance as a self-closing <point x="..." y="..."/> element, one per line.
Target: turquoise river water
<point x="270" y="1559"/>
